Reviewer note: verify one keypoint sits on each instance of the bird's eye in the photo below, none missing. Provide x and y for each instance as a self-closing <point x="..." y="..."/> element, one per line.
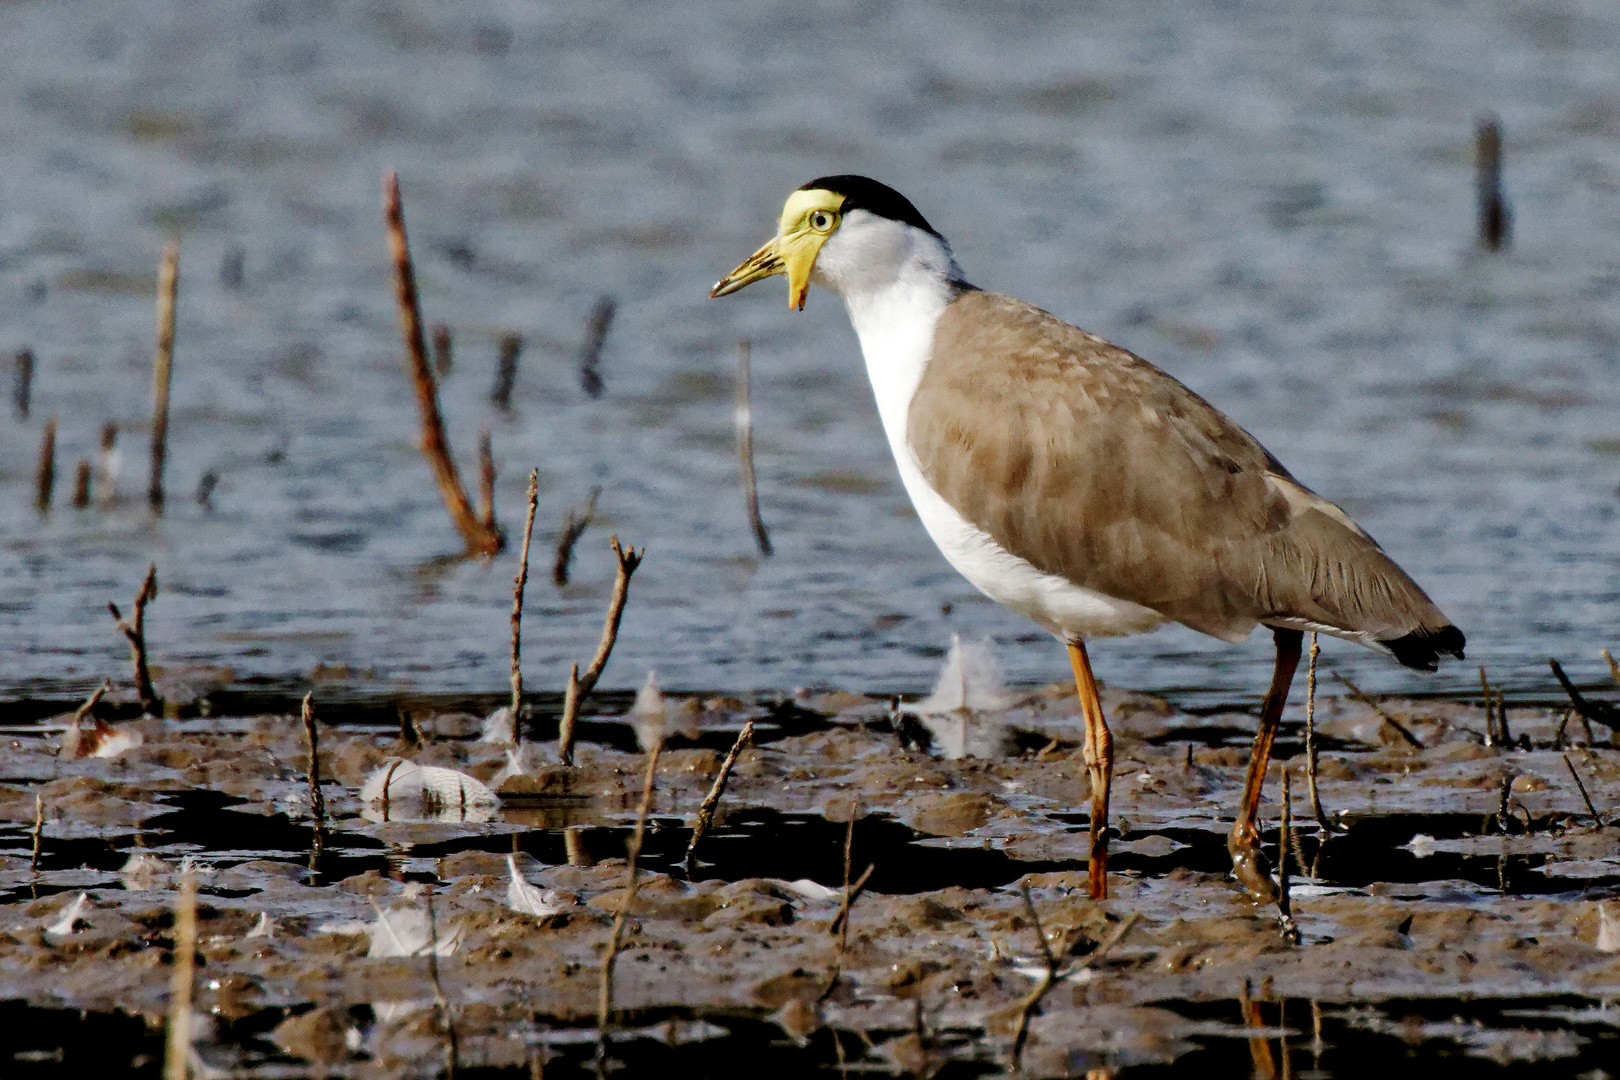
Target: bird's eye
<point x="821" y="221"/>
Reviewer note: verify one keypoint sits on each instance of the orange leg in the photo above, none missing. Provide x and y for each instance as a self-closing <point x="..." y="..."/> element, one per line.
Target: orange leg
<point x="1099" y="752"/>
<point x="1248" y="864"/>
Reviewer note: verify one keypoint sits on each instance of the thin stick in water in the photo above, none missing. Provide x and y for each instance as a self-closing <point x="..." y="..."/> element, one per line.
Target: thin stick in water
<point x="580" y="687"/>
<point x="579" y="519"/>
<point x="486" y="482"/>
<point x="840" y="923"/>
<point x="1383" y="714"/>
<point x="604" y="998"/>
<point x="81" y="485"/>
<point x="520" y="583"/>
<point x="1052" y="974"/>
<point x="1323" y="825"/>
<point x="22" y="386"/>
<point x="178" y="1048"/>
<point x="107" y="466"/>
<point x="1490" y="715"/>
<point x="45" y="471"/>
<point x="745" y="448"/>
<point x="443" y="354"/>
<point x="163" y="369"/>
<point x="38" y="833"/>
<point x="480" y="538"/>
<point x="1597" y="818"/>
<point x="1614" y="668"/>
<point x="511" y="346"/>
<point x="1285" y="904"/>
<point x="705" y="814"/>
<point x="1495" y="218"/>
<point x="135" y="631"/>
<point x="590" y="353"/>
<point x="317" y="799"/>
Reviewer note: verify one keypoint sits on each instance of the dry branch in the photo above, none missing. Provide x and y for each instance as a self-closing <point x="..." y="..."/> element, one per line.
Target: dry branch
<point x="590" y="353"/>
<point x="1285" y="905"/>
<point x="178" y="1048"/>
<point x="317" y="800"/>
<point x="519" y="583"/>
<point x="81" y="485"/>
<point x="22" y="387"/>
<point x="745" y="448"/>
<point x="511" y="346"/>
<point x="573" y="528"/>
<point x="486" y="482"/>
<point x="45" y="471"/>
<point x="1053" y="974"/>
<point x="480" y="537"/>
<point x="163" y="369"/>
<point x="1495" y="219"/>
<point x="443" y="353"/>
<point x="1383" y="714"/>
<point x="38" y="833"/>
<point x="604" y="999"/>
<point x="705" y="814"/>
<point x="135" y="631"/>
<point x="90" y="702"/>
<point x="1587" y="799"/>
<point x="1322" y="823"/>
<point x="580" y="687"/>
<point x="1601" y="711"/>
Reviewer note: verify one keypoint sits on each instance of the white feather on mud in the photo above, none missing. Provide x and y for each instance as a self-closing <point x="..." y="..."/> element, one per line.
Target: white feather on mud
<point x="71" y="916"/>
<point x="965" y="711"/>
<point x="527" y="899"/>
<point x="143" y="871"/>
<point x="96" y="738"/>
<point x="499" y="728"/>
<point x="404" y="791"/>
<point x="407" y="931"/>
<point x="655" y="718"/>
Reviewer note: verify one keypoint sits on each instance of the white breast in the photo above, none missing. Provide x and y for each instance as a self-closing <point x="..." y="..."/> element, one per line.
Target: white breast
<point x="896" y="329"/>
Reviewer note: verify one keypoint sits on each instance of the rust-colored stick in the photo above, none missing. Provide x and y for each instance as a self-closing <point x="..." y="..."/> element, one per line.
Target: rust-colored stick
<point x="519" y="583"/>
<point x="443" y="352"/>
<point x="745" y="448"/>
<point x="177" y="1051"/>
<point x="163" y="369"/>
<point x="317" y="800"/>
<point x="480" y="538"/>
<point x="135" y="631"/>
<point x="1325" y="828"/>
<point x="580" y="687"/>
<point x="45" y="471"/>
<point x="604" y="999"/>
<point x="81" y="485"/>
<point x="705" y="814"/>
<point x="486" y="481"/>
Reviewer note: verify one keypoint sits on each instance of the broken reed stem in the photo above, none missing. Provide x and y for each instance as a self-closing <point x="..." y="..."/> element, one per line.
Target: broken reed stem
<point x="1323" y="825"/>
<point x="590" y="352"/>
<point x="81" y="485"/>
<point x="178" y="1048"/>
<point x="511" y="348"/>
<point x="573" y="528"/>
<point x="38" y="833"/>
<point x="1052" y="975"/>
<point x="480" y="537"/>
<point x="1490" y="715"/>
<point x="840" y="923"/>
<point x="604" y="998"/>
<point x="45" y="471"/>
<point x="705" y="814"/>
<point x="1285" y="905"/>
<point x="1587" y="799"/>
<point x="1614" y="668"/>
<point x="580" y="686"/>
<point x="317" y="800"/>
<point x="486" y="482"/>
<point x="90" y="702"/>
<point x="135" y="631"/>
<point x="1601" y="711"/>
<point x="1495" y="219"/>
<point x="520" y="583"/>
<point x="163" y="369"/>
<point x="745" y="447"/>
<point x="442" y="351"/>
<point x="22" y="388"/>
<point x="1383" y="714"/>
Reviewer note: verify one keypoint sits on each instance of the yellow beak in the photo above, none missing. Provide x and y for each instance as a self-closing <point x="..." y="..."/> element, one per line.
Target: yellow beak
<point x="793" y="254"/>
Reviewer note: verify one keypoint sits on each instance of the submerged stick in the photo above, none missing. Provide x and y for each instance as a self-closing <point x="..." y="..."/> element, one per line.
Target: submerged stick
<point x="481" y="538"/>
<point x="500" y="394"/>
<point x="519" y="583"/>
<point x="317" y="800"/>
<point x="1383" y="714"/>
<point x="590" y="353"/>
<point x="22" y="386"/>
<point x="1285" y="905"/>
<point x="745" y="448"/>
<point x="135" y="631"/>
<point x="1587" y="799"/>
<point x="604" y="997"/>
<point x="163" y="369"/>
<point x="573" y="528"/>
<point x="440" y="1002"/>
<point x="717" y="791"/>
<point x="1322" y="823"/>
<point x="486" y="482"/>
<point x="580" y="686"/>
<point x="178" y="1048"/>
<point x="1495" y="218"/>
<point x="45" y="471"/>
<point x="81" y="485"/>
<point x="443" y="357"/>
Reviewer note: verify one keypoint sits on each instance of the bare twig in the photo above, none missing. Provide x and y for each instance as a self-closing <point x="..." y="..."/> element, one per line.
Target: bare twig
<point x="1285" y="905"/>
<point x="45" y="471"/>
<point x="580" y="686"/>
<point x="1490" y="714"/>
<point x="745" y="448"/>
<point x="590" y="353"/>
<point x="1601" y="711"/>
<point x="163" y="369"/>
<point x="90" y="702"/>
<point x="511" y="346"/>
<point x="519" y="583"/>
<point x="1033" y="1000"/>
<point x="317" y="800"/>
<point x="486" y="482"/>
<point x="705" y="814"/>
<point x="22" y="387"/>
<point x="178" y="1048"/>
<point x="480" y="538"/>
<point x="1324" y="826"/>
<point x="135" y="631"/>
<point x="443" y="357"/>
<point x="1502" y="718"/>
<point x="1495" y="219"/>
<point x="81" y="485"/>
<point x="1587" y="799"/>
<point x="441" y="1003"/>
<point x="840" y="923"/>
<point x="1614" y="668"/>
<point x="604" y="998"/>
<point x="1383" y="714"/>
<point x="38" y="833"/>
<point x="573" y="528"/>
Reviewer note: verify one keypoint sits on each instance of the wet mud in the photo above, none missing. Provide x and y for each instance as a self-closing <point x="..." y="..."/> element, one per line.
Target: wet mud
<point x="1455" y="916"/>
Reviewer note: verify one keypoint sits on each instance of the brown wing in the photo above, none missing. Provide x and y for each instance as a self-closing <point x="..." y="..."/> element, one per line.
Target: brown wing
<point x="1091" y="463"/>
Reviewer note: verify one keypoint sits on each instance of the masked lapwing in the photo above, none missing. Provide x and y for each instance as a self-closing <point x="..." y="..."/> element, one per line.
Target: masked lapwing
<point x="1079" y="485"/>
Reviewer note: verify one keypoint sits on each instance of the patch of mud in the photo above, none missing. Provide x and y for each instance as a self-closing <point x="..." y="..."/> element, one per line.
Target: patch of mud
<point x="1458" y="911"/>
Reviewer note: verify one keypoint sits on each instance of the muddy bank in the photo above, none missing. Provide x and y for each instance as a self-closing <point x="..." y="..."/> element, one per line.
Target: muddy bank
<point x="1456" y="911"/>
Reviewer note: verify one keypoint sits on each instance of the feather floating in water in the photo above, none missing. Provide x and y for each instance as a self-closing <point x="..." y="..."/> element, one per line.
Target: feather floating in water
<point x="404" y="791"/>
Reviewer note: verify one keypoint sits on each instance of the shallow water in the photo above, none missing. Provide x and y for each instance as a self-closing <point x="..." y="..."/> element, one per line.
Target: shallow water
<point x="1274" y="205"/>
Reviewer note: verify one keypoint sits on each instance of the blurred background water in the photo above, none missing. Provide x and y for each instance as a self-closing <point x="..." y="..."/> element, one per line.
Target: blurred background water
<point x="1272" y="201"/>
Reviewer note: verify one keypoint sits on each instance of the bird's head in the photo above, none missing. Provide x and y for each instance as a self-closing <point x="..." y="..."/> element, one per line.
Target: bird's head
<point x="827" y="226"/>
